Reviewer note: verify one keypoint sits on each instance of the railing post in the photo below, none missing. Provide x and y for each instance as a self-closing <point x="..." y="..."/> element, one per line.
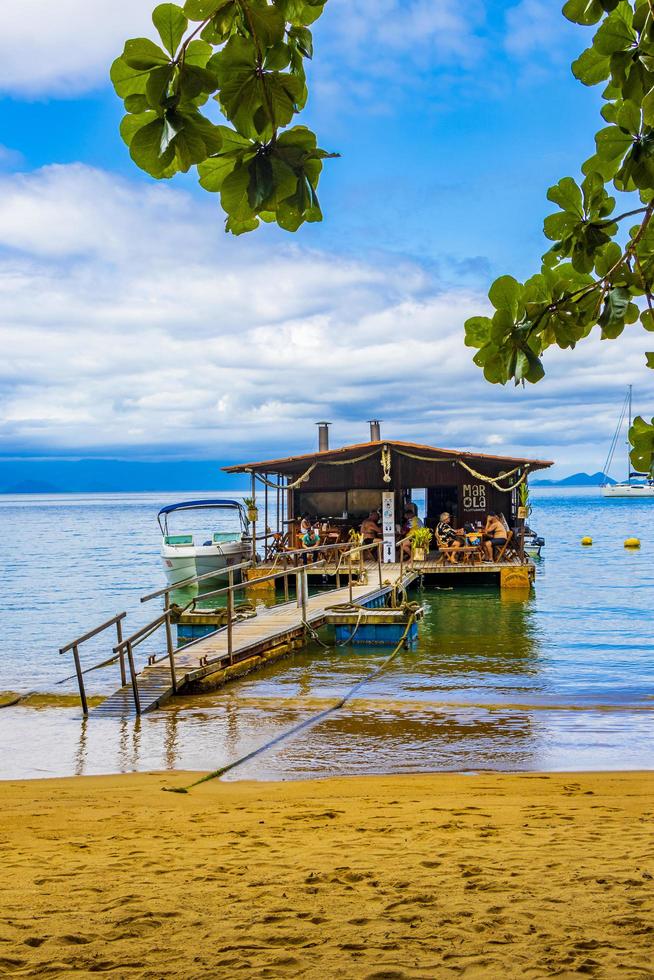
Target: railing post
<point x="305" y="592"/>
<point x="349" y="558"/>
<point x="132" y="673"/>
<point x="379" y="562"/>
<point x="121" y="655"/>
<point x="401" y="558"/>
<point x="298" y="587"/>
<point x="169" y="643"/>
<point x="80" y="680"/>
<point x="230" y="616"/>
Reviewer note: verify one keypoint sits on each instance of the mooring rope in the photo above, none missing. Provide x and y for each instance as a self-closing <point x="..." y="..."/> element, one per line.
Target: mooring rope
<point x="307" y="723"/>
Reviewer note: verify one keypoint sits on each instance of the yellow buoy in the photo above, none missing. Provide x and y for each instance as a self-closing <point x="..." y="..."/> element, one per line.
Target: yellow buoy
<point x="586" y="540"/>
<point x="632" y="543"/>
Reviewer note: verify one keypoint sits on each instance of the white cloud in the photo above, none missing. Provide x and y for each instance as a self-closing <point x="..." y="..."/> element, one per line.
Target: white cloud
<point x="536" y="30"/>
<point x="130" y="322"/>
<point x="66" y="48"/>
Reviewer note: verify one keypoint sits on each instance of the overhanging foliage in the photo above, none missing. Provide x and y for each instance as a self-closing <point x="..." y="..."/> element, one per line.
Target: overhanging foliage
<point x="588" y="278"/>
<point x="248" y="56"/>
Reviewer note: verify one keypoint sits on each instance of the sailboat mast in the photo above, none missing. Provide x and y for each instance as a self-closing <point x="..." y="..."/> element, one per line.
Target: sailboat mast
<point x="628" y="427"/>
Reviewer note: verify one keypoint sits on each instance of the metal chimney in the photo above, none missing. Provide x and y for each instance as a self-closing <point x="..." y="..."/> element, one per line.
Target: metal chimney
<point x="323" y="436"/>
<point x="375" y="430"/>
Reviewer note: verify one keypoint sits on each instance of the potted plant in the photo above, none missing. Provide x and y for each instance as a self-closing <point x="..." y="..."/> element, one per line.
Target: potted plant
<point x="253" y="513"/>
<point x="420" y="541"/>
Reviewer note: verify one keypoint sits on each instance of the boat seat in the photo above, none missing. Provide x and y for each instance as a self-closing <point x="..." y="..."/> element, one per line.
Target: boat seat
<point x="175" y="540"/>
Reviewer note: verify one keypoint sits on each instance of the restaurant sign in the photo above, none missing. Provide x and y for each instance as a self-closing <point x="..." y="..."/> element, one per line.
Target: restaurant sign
<point x="388" y="526"/>
<point x="474" y="496"/>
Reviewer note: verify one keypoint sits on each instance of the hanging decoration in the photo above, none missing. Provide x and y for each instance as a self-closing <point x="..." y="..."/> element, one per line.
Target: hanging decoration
<point x="386" y="463"/>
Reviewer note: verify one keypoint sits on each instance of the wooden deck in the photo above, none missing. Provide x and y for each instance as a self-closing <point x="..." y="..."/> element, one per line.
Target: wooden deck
<point x="252" y="638"/>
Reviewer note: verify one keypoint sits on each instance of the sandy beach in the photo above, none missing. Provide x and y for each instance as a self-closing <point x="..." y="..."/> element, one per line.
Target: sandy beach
<point x="528" y="875"/>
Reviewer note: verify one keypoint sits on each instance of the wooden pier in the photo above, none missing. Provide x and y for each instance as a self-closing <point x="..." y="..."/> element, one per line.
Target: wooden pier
<point x="272" y="633"/>
<point x="247" y="642"/>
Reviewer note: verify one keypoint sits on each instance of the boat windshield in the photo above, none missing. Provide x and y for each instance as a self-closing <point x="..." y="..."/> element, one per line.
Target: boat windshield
<point x="196" y="505"/>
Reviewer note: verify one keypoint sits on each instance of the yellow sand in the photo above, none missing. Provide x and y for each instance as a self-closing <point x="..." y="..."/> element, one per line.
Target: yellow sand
<point x="422" y="876"/>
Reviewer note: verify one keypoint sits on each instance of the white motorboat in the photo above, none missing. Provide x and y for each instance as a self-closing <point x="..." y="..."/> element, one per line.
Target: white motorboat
<point x="186" y="555"/>
<point x="643" y="488"/>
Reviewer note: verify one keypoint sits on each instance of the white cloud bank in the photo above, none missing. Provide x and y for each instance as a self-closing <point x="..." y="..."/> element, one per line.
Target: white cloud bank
<point x="131" y="324"/>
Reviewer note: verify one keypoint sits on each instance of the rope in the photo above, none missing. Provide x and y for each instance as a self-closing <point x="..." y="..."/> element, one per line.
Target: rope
<point x="494" y="481"/>
<point x="284" y="486"/>
<point x="305" y="476"/>
<point x="308" y="723"/>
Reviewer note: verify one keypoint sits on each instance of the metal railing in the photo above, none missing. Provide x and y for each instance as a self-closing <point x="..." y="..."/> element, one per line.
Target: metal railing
<point x="124" y="648"/>
<point x="74" y="645"/>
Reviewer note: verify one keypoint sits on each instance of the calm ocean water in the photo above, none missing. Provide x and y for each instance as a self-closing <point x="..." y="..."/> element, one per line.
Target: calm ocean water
<point x="563" y="680"/>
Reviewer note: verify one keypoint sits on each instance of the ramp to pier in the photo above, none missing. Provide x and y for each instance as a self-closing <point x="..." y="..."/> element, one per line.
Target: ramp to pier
<point x="271" y="627"/>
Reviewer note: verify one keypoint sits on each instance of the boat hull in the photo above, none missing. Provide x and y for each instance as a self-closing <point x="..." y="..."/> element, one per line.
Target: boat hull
<point x="185" y="562"/>
<point x="636" y="491"/>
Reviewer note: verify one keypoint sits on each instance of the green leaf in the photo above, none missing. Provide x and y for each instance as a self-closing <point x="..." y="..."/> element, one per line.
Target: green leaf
<point x="131" y="124"/>
<point x="647" y="320"/>
<point x="203" y="9"/>
<point x="128" y="81"/>
<point x="266" y="23"/>
<point x="143" y="54"/>
<point x="303" y="40"/>
<point x="477" y="330"/>
<point x="505" y="294"/>
<point x="628" y="118"/>
<point x="612" y="143"/>
<point x="615" y="33"/>
<point x="171" y="23"/>
<point x="214" y="170"/>
<point x="591" y="67"/>
<point x="583" y="11"/>
<point x="611" y="319"/>
<point x="145" y="149"/>
<point x="567" y="195"/>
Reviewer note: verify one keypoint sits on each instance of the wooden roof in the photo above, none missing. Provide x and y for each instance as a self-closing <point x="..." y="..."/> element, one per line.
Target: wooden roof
<point x="297" y="464"/>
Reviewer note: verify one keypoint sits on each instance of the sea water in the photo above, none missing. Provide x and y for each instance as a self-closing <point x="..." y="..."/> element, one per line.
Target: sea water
<point x="561" y="680"/>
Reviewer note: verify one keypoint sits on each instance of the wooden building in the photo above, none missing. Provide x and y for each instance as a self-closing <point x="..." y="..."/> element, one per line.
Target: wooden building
<point x="341" y="486"/>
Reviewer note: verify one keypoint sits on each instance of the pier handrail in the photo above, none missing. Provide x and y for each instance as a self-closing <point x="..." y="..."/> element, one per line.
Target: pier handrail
<point x="75" y="645"/>
<point x="196" y="578"/>
<point x="91" y="633"/>
<point x="259" y="580"/>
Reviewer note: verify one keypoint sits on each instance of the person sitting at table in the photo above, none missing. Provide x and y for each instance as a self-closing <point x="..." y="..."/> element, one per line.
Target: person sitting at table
<point x="371" y="529"/>
<point x="449" y="537"/>
<point x="494" y="535"/>
<point x="411" y="520"/>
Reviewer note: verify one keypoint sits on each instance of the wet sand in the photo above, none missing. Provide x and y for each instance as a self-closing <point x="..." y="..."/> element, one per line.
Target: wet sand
<point x="530" y="875"/>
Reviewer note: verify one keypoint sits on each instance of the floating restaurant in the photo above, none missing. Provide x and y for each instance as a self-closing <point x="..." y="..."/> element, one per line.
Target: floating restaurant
<point x="338" y="488"/>
<point x="338" y="494"/>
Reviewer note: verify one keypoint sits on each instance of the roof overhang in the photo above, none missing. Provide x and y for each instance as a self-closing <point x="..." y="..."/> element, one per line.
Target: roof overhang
<point x="298" y="464"/>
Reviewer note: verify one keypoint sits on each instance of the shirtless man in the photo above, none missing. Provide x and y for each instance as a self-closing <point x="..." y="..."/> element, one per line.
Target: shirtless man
<point x="371" y="529"/>
<point x="494" y="535"/>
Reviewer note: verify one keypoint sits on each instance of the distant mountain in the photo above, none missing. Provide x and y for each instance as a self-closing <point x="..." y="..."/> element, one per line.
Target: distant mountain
<point x="576" y="480"/>
<point x="32" y="486"/>
<point x="113" y="476"/>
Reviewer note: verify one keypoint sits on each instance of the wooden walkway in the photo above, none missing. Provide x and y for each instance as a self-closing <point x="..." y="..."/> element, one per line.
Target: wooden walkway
<point x="251" y="637"/>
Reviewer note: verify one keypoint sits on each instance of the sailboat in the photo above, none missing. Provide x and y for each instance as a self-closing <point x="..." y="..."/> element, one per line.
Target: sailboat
<point x="644" y="487"/>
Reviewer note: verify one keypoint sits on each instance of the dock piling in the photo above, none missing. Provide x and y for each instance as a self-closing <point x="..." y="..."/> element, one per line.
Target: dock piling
<point x="170" y="650"/>
<point x="80" y="679"/>
<point x="132" y="673"/>
<point x="230" y="617"/>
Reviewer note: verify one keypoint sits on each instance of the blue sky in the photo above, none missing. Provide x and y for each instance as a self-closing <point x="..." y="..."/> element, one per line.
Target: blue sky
<point x="133" y="327"/>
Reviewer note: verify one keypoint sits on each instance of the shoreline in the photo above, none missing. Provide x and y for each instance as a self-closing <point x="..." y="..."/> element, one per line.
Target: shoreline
<point x="528" y="873"/>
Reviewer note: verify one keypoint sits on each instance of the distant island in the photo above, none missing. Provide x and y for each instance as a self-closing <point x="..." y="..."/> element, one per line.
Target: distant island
<point x="50" y="476"/>
<point x="576" y="480"/>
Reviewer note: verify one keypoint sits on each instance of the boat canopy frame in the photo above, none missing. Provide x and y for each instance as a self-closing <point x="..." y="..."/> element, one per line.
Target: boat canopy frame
<point x="214" y="504"/>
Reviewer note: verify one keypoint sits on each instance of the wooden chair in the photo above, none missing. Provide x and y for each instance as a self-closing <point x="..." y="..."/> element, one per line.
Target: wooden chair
<point x="503" y="550"/>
